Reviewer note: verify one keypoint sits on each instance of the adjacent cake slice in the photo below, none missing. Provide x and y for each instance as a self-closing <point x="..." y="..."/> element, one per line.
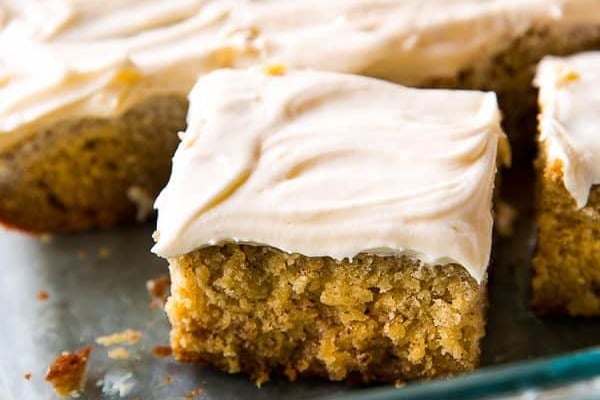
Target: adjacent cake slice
<point x="567" y="261"/>
<point x="92" y="93"/>
<point x="330" y="224"/>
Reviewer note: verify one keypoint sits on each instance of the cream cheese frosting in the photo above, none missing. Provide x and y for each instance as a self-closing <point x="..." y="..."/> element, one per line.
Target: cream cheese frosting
<point x="328" y="164"/>
<point x="569" y="98"/>
<point x="71" y="58"/>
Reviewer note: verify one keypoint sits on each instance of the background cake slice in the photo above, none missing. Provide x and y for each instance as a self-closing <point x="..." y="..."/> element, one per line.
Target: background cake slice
<point x="328" y="224"/>
<point x="567" y="261"/>
<point x="92" y="93"/>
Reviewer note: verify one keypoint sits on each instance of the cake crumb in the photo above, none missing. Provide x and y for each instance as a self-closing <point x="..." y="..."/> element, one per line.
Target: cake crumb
<point x="168" y="380"/>
<point x="119" y="353"/>
<point x="45" y="238"/>
<point x="104" y="252"/>
<point x="193" y="394"/>
<point x="275" y="69"/>
<point x="43" y="295"/>
<point x="399" y="384"/>
<point x="128" y="336"/>
<point x="81" y="254"/>
<point x="162" y="351"/>
<point x="505" y="218"/>
<point x="567" y="76"/>
<point x="158" y="289"/>
<point x="27" y="376"/>
<point x="66" y="374"/>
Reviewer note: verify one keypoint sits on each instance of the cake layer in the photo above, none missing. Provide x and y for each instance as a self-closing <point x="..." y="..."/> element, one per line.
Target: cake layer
<point x="97" y="58"/>
<point x="327" y="164"/>
<point x="570" y="119"/>
<point x="567" y="261"/>
<point x="257" y="310"/>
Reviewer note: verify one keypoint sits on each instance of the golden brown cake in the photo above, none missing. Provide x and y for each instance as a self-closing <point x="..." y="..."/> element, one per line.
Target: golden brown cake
<point x="316" y="224"/>
<point x="67" y="372"/>
<point x="93" y="92"/>
<point x="567" y="261"/>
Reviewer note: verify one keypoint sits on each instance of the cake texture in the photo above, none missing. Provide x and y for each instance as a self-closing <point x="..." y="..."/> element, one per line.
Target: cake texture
<point x="316" y="224"/>
<point x="567" y="261"/>
<point x="69" y="61"/>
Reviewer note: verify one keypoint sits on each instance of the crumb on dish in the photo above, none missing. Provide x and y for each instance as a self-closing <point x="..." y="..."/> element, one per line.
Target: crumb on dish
<point x="67" y="372"/>
<point x="119" y="353"/>
<point x="43" y="295"/>
<point x="128" y="336"/>
<point x="162" y="351"/>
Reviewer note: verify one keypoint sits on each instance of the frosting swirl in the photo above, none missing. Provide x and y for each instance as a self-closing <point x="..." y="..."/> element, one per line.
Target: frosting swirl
<point x="327" y="164"/>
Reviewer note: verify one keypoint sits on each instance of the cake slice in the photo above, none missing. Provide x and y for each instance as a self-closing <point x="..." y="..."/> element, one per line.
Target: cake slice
<point x="327" y="224"/>
<point x="567" y="261"/>
<point x="92" y="93"/>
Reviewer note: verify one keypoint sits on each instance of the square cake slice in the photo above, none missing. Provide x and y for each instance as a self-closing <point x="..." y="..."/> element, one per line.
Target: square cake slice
<point x="326" y="224"/>
<point x="567" y="261"/>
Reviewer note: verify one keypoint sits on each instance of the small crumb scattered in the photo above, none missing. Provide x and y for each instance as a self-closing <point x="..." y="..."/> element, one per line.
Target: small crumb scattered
<point x="45" y="238"/>
<point x="104" y="252"/>
<point x="81" y="254"/>
<point x="119" y="353"/>
<point x="275" y="69"/>
<point x="567" y="76"/>
<point x="43" y="295"/>
<point x="505" y="216"/>
<point x="67" y="372"/>
<point x="167" y="380"/>
<point x="193" y="394"/>
<point x="162" y="351"/>
<point x="158" y="289"/>
<point x="399" y="384"/>
<point x="27" y="376"/>
<point x="128" y="336"/>
<point x="261" y="378"/>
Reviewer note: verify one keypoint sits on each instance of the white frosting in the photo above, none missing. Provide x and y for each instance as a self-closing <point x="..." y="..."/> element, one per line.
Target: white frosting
<point x="71" y="58"/>
<point x="569" y="98"/>
<point x="327" y="164"/>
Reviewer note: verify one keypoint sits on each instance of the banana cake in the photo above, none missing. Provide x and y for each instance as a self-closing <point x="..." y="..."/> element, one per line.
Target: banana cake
<point x="92" y="93"/>
<point x="567" y="260"/>
<point x="318" y="223"/>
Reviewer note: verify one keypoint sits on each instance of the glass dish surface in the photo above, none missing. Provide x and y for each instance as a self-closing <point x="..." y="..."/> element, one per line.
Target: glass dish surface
<point x="96" y="284"/>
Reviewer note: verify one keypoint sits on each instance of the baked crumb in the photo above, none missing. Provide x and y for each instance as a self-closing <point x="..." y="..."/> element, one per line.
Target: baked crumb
<point x="128" y="336"/>
<point x="193" y="394"/>
<point x="104" y="252"/>
<point x="27" y="376"/>
<point x="168" y="380"/>
<point x="81" y="254"/>
<point x="567" y="76"/>
<point x="67" y="372"/>
<point x="162" y="351"/>
<point x="275" y="69"/>
<point x="119" y="353"/>
<point x="158" y="289"/>
<point x="399" y="384"/>
<point x="504" y="218"/>
<point x="43" y="295"/>
<point x="45" y="238"/>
